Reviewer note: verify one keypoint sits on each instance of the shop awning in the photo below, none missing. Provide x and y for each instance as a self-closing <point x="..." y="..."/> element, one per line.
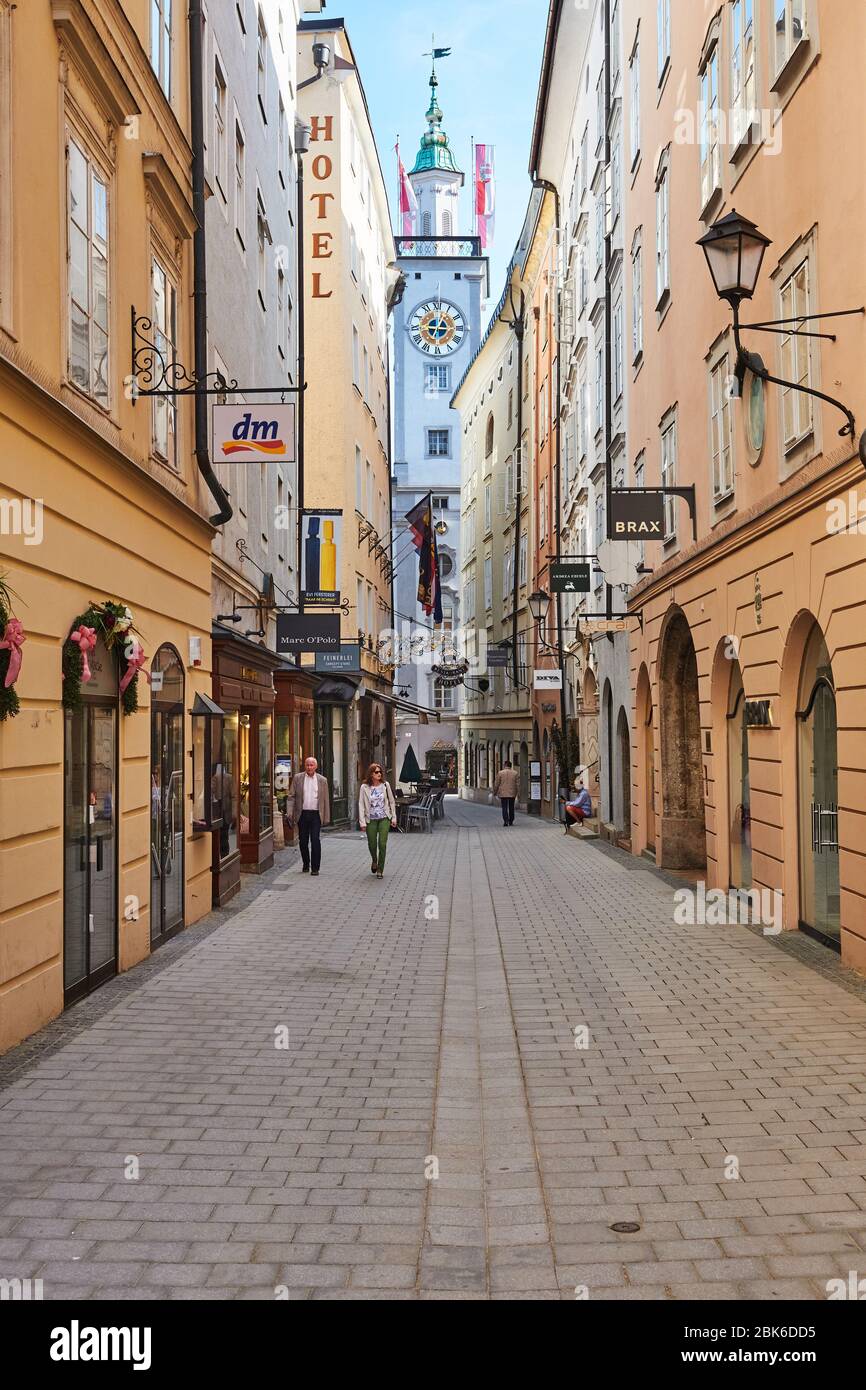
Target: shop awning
<point x="335" y="690"/>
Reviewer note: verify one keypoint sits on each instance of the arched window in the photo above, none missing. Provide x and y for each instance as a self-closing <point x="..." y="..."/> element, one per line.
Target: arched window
<point x="426" y="224"/>
<point x="488" y="442"/>
<point x="446" y="223"/>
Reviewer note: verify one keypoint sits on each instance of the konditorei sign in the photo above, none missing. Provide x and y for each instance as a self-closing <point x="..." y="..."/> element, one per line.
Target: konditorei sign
<point x="637" y="516"/>
<point x="307" y="632"/>
<point x="261" y="433"/>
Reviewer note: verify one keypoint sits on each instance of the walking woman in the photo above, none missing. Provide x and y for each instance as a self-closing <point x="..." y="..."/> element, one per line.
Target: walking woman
<point x="377" y="815"/>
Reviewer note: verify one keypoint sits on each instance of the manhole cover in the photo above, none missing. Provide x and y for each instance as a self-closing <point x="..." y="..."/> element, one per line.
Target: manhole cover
<point x="625" y="1228"/>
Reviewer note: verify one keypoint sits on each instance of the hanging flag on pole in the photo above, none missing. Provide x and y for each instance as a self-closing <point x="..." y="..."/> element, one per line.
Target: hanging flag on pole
<point x="408" y="201"/>
<point x="485" y="194"/>
<point x="420" y="520"/>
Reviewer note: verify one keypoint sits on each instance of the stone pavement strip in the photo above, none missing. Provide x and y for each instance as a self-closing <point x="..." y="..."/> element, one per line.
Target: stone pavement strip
<point x="359" y="1089"/>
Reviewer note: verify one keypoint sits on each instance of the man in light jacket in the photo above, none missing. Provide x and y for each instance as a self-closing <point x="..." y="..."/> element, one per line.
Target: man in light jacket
<point x="507" y="788"/>
<point x="309" y="809"/>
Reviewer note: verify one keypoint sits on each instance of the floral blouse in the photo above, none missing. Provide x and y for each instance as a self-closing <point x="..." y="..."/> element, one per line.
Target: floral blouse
<point x="378" y="810"/>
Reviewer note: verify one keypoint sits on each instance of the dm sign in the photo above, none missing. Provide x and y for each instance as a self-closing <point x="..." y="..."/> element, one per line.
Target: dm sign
<point x="263" y="433"/>
<point x="637" y="516"/>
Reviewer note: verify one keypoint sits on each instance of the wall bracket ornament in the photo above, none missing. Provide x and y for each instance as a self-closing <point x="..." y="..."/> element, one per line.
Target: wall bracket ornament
<point x="155" y="373"/>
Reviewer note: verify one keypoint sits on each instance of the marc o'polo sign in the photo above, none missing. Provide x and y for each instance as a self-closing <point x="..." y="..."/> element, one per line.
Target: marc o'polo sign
<point x="307" y="632"/>
<point x="262" y="433"/>
<point x="637" y="516"/>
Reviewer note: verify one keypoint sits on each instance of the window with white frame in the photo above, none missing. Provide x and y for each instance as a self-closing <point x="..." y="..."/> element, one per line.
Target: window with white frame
<point x="663" y="210"/>
<point x="599" y="229"/>
<point x="721" y="429"/>
<point x="794" y="298"/>
<point x="583" y="414"/>
<point x="88" y="275"/>
<point x="366" y="376"/>
<point x="164" y="314"/>
<point x="354" y="261"/>
<point x="618" y="354"/>
<point x="470" y="597"/>
<point x="743" y="69"/>
<point x="508" y="571"/>
<point x="240" y="185"/>
<point x="599" y="113"/>
<point x="160" y="42"/>
<point x="711" y="163"/>
<point x="368" y="501"/>
<point x="584" y="162"/>
<point x="639" y="482"/>
<point x="664" y="37"/>
<point x="262" y="66"/>
<point x="790" y="28"/>
<point x="282" y="131"/>
<point x="583" y="275"/>
<point x="360" y="490"/>
<point x="524" y="559"/>
<point x="220" y="101"/>
<point x="614" y="41"/>
<point x="542" y="412"/>
<point x="669" y="474"/>
<point x="438" y="444"/>
<point x="281" y="311"/>
<point x="437" y="378"/>
<point x="615" y="178"/>
<point x="356" y="357"/>
<point x="508" y="498"/>
<point x="488" y="582"/>
<point x="263" y="237"/>
<point x="488" y="506"/>
<point x="599" y="387"/>
<point x="634" y="103"/>
<point x="636" y="301"/>
<point x="443" y="697"/>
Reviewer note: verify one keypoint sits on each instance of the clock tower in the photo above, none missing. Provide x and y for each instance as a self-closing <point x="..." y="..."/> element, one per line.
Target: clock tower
<point x="437" y="329"/>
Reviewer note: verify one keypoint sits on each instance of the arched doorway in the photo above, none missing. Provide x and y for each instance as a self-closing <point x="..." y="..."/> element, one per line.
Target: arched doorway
<point x="524" y="774"/>
<point x="624" y="751"/>
<point x="167" y="809"/>
<point x="683" y="828"/>
<point x="90" y="879"/>
<point x="818" y="786"/>
<point x="607" y="811"/>
<point x="646" y="758"/>
<point x="588" y="726"/>
<point x="739" y="793"/>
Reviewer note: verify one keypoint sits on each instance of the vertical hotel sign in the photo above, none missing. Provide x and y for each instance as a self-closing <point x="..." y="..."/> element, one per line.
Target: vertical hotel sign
<point x="322" y="132"/>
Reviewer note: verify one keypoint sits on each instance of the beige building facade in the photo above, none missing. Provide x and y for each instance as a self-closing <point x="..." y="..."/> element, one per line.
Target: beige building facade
<point x="748" y="665"/>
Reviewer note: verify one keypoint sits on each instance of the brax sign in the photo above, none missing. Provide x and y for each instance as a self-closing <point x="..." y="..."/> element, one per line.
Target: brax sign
<point x="636" y="516"/>
<point x="254" y="434"/>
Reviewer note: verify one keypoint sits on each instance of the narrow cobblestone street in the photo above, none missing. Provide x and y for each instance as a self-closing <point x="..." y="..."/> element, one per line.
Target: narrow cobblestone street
<point x="173" y="1148"/>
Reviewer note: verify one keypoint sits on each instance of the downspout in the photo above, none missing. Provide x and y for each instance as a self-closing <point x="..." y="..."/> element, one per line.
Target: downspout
<point x="196" y="98"/>
<point x="563" y="708"/>
<point x="608" y="384"/>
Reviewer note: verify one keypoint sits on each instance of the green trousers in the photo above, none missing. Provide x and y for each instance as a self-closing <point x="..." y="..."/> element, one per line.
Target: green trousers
<point x="377" y="839"/>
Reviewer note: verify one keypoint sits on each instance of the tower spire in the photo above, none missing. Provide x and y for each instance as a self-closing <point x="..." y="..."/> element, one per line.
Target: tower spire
<point x="435" y="151"/>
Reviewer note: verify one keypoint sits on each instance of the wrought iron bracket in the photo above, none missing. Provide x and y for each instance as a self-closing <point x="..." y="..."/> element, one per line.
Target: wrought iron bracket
<point x="154" y="374"/>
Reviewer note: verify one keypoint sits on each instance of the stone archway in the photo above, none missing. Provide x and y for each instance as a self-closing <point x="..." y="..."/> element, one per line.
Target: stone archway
<point x="588" y="727"/>
<point x="623" y="739"/>
<point x="646" y="808"/>
<point x="683" y="820"/>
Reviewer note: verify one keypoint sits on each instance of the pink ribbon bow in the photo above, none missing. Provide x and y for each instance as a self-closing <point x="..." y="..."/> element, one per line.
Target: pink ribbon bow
<point x="13" y="638"/>
<point x="86" y="639"/>
<point x="135" y="663"/>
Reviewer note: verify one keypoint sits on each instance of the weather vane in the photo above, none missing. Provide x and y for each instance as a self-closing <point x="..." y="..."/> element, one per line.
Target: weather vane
<point x="437" y="52"/>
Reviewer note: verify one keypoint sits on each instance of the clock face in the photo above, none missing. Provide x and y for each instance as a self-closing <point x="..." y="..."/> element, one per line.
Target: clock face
<point x="437" y="328"/>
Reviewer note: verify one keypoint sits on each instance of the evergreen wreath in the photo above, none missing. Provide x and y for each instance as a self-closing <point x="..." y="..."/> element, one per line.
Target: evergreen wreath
<point x="9" y="703"/>
<point x="114" y="624"/>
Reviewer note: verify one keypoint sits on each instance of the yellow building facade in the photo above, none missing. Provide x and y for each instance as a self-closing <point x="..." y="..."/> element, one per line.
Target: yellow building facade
<point x="100" y="501"/>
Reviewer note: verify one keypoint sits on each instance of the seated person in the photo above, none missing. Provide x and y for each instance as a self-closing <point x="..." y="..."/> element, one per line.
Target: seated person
<point x="579" y="808"/>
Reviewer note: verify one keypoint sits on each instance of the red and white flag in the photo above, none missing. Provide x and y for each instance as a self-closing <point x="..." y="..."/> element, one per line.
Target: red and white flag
<point x="485" y="193"/>
<point x="408" y="201"/>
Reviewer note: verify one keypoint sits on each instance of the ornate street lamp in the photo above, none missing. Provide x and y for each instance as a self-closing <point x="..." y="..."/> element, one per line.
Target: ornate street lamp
<point x="539" y="604"/>
<point x="734" y="249"/>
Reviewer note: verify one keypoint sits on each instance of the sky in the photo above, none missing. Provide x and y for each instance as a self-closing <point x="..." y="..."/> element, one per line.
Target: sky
<point x="487" y="91"/>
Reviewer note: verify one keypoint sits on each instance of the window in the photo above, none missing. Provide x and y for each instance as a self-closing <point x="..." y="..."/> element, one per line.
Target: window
<point x="240" y="185"/>
<point x="87" y="251"/>
<point x="262" y="67"/>
<point x="614" y="41"/>
<point x="583" y="275"/>
<point x="669" y="475"/>
<point x="488" y="582"/>
<point x="263" y="237"/>
<point x="743" y="74"/>
<point x="639" y="481"/>
<point x="600" y="536"/>
<point x="356" y="357"/>
<point x="615" y="179"/>
<point x="721" y="432"/>
<point x="281" y="312"/>
<point x="366" y="376"/>
<point x="542" y="511"/>
<point x="219" y="127"/>
<point x="437" y="378"/>
<point x="241" y="12"/>
<point x="508" y="571"/>
<point x="441" y="504"/>
<point x="796" y="359"/>
<point x="524" y="558"/>
<point x="599" y="388"/>
<point x="636" y="302"/>
<point x="599" y="230"/>
<point x="164" y="311"/>
<point x="160" y="42"/>
<point x="359" y="479"/>
<point x="438" y="444"/>
<point x="282" y="133"/>
<point x="664" y="37"/>
<point x="353" y="240"/>
<point x="543" y="420"/>
<point x="368" y="508"/>
<point x="790" y="29"/>
<point x="488" y="507"/>
<point x="426" y="224"/>
<point x="618" y="354"/>
<point x="488" y="437"/>
<point x="711" y="170"/>
<point x="583" y="414"/>
<point x="584" y="158"/>
<point x="510" y="409"/>
<point x="443" y="697"/>
<point x="663" y="196"/>
<point x="634" y="107"/>
<point x="599" y="114"/>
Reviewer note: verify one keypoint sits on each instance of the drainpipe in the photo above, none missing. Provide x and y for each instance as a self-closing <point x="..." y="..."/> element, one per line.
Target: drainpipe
<point x="608" y="384"/>
<point x="202" y="455"/>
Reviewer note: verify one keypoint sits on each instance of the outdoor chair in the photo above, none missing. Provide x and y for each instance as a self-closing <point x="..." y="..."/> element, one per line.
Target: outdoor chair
<point x="421" y="814"/>
<point x="439" y="806"/>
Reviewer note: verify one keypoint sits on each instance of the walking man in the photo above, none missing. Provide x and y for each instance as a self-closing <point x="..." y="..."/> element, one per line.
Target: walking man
<point x="507" y="787"/>
<point x="310" y="810"/>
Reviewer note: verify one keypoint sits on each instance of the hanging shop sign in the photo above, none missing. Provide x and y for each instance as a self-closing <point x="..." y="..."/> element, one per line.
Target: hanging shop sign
<point x="759" y="714"/>
<point x="637" y="516"/>
<point x="598" y="627"/>
<point x="449" y="677"/>
<point x="321" y="538"/>
<point x="264" y="433"/>
<point x="548" y="680"/>
<point x="345" y="662"/>
<point x="567" y="577"/>
<point x="498" y="658"/>
<point x="307" y="632"/>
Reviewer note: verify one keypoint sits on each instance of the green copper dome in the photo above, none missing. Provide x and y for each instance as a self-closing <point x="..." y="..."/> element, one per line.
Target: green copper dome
<point x="435" y="151"/>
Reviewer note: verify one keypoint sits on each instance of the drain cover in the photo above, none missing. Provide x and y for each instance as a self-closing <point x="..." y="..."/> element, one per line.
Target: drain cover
<point x="625" y="1228"/>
